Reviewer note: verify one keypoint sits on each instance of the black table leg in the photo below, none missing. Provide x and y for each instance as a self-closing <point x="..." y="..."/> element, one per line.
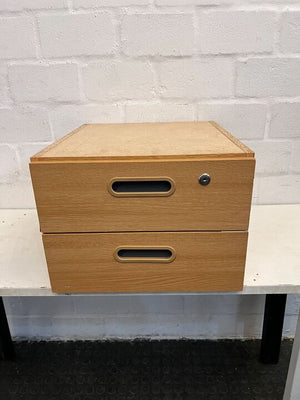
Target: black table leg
<point x="272" y="328"/>
<point x="7" y="350"/>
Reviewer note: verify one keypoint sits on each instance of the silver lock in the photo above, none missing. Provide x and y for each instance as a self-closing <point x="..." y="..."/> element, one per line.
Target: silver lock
<point x="204" y="179"/>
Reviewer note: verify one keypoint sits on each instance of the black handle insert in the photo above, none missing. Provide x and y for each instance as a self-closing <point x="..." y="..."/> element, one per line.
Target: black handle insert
<point x="148" y="253"/>
<point x="129" y="187"/>
<point x="141" y="186"/>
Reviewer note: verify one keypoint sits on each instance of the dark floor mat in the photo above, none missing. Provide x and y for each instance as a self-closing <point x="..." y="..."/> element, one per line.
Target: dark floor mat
<point x="140" y="370"/>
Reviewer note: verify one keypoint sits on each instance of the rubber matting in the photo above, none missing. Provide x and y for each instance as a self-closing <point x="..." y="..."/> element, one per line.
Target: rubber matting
<point x="140" y="370"/>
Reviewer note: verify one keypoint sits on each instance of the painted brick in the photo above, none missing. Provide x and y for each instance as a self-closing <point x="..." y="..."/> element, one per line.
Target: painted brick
<point x="17" y="194"/>
<point x="25" y="152"/>
<point x="295" y="164"/>
<point x="261" y="77"/>
<point x="215" y="2"/>
<point x="108" y="3"/>
<point x="195" y="79"/>
<point x="194" y="2"/>
<point x="77" y="34"/>
<point x="245" y="121"/>
<point x="149" y="325"/>
<point x="248" y="325"/>
<point x="271" y="157"/>
<point x="230" y="316"/>
<point x="53" y="328"/>
<point x="255" y="191"/>
<point x="4" y="95"/>
<point x="26" y="327"/>
<point x="11" y="304"/>
<point x="111" y="305"/>
<point x="147" y="34"/>
<point x="64" y="119"/>
<point x="146" y="326"/>
<point x="223" y="304"/>
<point x="283" y="189"/>
<point x="9" y="170"/>
<point x="51" y="306"/>
<point x="290" y="32"/>
<point x="292" y="304"/>
<point x="159" y="112"/>
<point x="289" y="326"/>
<point x="34" y="83"/>
<point x="117" y="80"/>
<point x="24" y="124"/>
<point x="228" y="32"/>
<point x="17" y="37"/>
<point x="275" y="1"/>
<point x="285" y="120"/>
<point x="19" y="5"/>
<point x="148" y="304"/>
<point x="119" y="305"/>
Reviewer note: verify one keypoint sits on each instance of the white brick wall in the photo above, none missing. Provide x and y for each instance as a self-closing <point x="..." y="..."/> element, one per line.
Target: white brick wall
<point x="17" y="43"/>
<point x="66" y="118"/>
<point x="24" y="124"/>
<point x="108" y="3"/>
<point x="68" y="62"/>
<point x="75" y="35"/>
<point x="266" y="77"/>
<point x="295" y="165"/>
<point x="285" y="120"/>
<point x="228" y="32"/>
<point x="117" y="80"/>
<point x="273" y="156"/>
<point x="44" y="83"/>
<point x="225" y="316"/>
<point x="196" y="79"/>
<point x="245" y="121"/>
<point x="150" y="35"/>
<point x="290" y="33"/>
<point x="157" y="112"/>
<point x="19" y="5"/>
<point x="8" y="164"/>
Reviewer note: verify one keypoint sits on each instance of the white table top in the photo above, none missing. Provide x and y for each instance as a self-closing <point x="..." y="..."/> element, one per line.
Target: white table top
<point x="273" y="256"/>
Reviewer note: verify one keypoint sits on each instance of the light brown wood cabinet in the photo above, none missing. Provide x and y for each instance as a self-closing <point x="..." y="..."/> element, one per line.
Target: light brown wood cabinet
<point x="153" y="207"/>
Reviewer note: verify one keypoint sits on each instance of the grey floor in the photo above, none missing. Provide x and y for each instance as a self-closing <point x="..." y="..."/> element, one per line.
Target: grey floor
<point x="140" y="370"/>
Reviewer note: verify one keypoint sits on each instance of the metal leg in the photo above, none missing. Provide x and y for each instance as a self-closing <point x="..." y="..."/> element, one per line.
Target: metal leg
<point x="272" y="328"/>
<point x="292" y="386"/>
<point x="6" y="344"/>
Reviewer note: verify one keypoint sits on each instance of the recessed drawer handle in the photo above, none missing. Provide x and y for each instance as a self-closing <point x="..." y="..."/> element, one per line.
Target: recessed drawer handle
<point x="145" y="254"/>
<point x="124" y="187"/>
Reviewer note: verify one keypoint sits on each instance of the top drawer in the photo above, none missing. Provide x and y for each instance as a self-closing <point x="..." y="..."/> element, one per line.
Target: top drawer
<point x="149" y="192"/>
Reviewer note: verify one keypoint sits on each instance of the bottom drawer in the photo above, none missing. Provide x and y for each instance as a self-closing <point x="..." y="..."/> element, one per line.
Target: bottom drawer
<point x="146" y="262"/>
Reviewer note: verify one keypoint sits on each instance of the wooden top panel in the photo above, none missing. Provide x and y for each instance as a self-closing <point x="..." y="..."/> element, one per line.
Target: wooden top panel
<point x="145" y="141"/>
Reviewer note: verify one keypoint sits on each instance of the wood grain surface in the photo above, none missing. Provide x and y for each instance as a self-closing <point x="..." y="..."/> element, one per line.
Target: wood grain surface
<point x="75" y="197"/>
<point x="145" y="141"/>
<point x="204" y="261"/>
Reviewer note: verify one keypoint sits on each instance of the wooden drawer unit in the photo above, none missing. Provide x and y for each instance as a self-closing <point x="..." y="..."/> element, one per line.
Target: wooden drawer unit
<point x="184" y="186"/>
<point x="79" y="197"/>
<point x="147" y="262"/>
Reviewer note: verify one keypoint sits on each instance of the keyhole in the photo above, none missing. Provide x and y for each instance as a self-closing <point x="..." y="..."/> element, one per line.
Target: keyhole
<point x="204" y="179"/>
